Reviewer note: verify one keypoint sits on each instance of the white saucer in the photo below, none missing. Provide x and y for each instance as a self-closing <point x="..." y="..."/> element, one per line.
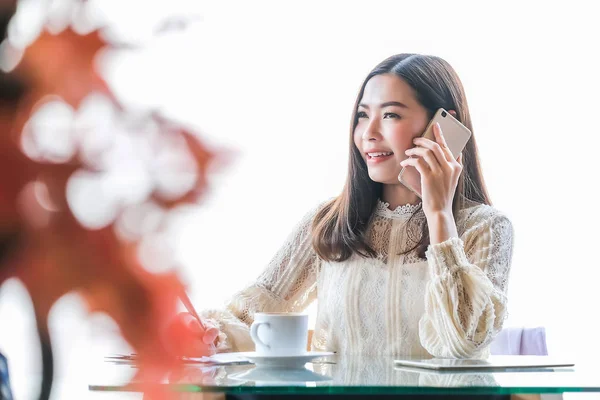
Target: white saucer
<point x="296" y="361"/>
<point x="269" y="376"/>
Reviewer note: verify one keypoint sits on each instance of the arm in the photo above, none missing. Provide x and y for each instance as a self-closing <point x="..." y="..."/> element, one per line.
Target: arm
<point x="287" y="284"/>
<point x="465" y="302"/>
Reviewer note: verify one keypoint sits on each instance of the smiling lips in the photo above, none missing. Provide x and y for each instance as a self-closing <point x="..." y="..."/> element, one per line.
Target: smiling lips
<point x="374" y="157"/>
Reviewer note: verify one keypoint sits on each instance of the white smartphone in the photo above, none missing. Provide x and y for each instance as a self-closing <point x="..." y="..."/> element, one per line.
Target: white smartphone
<point x="456" y="134"/>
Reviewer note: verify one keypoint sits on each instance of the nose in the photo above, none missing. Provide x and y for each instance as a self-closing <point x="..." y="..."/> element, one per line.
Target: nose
<point x="372" y="132"/>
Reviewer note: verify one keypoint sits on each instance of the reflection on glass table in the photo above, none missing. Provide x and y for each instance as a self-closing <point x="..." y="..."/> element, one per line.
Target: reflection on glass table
<point x="269" y="376"/>
<point x="358" y="375"/>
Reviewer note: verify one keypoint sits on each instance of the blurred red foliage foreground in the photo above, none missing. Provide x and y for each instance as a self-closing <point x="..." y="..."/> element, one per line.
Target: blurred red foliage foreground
<point x="83" y="183"/>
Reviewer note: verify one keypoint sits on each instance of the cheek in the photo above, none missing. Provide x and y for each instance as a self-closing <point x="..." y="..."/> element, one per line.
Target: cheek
<point x="401" y="139"/>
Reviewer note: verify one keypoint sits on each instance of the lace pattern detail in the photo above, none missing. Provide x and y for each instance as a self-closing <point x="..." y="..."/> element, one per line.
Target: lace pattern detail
<point x="473" y="272"/>
<point x="395" y="303"/>
<point x="380" y="233"/>
<point x="288" y="284"/>
<point x="403" y="211"/>
<point x="379" y="236"/>
<point x="408" y="218"/>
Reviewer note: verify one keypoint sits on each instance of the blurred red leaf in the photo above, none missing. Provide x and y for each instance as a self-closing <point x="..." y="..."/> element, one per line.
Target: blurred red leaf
<point x="56" y="254"/>
<point x="63" y="64"/>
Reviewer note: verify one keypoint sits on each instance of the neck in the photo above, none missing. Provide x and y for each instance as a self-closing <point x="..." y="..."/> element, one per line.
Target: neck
<point x="398" y="195"/>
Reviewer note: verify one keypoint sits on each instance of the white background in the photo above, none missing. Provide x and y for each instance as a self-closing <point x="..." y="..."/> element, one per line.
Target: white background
<point x="276" y="82"/>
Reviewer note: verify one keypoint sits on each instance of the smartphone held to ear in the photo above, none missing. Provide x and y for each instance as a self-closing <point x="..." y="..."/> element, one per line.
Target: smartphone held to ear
<point x="456" y="134"/>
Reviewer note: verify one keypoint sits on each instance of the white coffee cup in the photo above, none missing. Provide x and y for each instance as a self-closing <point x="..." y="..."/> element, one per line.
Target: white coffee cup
<point x="280" y="334"/>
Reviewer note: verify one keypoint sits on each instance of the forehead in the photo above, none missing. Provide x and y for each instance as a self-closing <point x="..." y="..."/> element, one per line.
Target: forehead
<point x="387" y="87"/>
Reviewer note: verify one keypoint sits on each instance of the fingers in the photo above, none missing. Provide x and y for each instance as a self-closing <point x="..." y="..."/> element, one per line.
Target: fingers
<point x="206" y="330"/>
<point x="428" y="155"/>
<point x="211" y="334"/>
<point x="419" y="163"/>
<point x="445" y="157"/>
<point x="187" y="336"/>
<point x="439" y="147"/>
<point x="188" y="320"/>
<point x="441" y="140"/>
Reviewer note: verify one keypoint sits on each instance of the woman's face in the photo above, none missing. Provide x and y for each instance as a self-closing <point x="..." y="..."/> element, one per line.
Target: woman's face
<point x="389" y="118"/>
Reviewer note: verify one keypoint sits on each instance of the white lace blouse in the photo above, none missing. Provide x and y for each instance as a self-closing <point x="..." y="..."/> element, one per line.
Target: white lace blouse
<point x="450" y="304"/>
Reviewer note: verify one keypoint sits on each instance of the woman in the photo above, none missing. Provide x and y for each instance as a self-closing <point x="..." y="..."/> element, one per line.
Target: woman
<point x="393" y="273"/>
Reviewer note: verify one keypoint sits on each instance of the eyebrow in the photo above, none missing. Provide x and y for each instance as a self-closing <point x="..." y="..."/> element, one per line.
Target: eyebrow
<point x="386" y="104"/>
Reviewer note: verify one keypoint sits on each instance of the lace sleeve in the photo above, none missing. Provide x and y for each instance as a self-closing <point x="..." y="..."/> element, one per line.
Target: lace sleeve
<point x="288" y="284"/>
<point x="465" y="303"/>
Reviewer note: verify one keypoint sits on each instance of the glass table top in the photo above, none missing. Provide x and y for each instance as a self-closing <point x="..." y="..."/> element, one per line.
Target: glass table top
<point x="355" y="374"/>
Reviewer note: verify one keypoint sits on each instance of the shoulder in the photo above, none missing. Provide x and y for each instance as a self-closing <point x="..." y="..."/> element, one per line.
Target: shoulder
<point x="317" y="208"/>
<point x="476" y="217"/>
<point x="313" y="212"/>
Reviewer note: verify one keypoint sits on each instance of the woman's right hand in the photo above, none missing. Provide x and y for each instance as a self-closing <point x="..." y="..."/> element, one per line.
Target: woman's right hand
<point x="204" y="345"/>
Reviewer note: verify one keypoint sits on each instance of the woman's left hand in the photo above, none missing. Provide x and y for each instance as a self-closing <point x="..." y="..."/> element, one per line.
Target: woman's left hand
<point x="439" y="172"/>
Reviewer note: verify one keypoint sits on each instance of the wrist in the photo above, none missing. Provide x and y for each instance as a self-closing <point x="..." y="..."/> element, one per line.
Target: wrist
<point x="441" y="216"/>
<point x="441" y="226"/>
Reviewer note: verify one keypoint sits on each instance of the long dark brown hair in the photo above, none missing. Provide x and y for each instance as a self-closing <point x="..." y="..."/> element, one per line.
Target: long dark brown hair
<point x="339" y="228"/>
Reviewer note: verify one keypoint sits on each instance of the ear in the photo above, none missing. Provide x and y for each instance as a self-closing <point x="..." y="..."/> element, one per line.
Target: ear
<point x="453" y="113"/>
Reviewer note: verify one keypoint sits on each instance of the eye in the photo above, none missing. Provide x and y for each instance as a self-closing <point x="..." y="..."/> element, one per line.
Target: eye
<point x="388" y="115"/>
<point x="361" y="114"/>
